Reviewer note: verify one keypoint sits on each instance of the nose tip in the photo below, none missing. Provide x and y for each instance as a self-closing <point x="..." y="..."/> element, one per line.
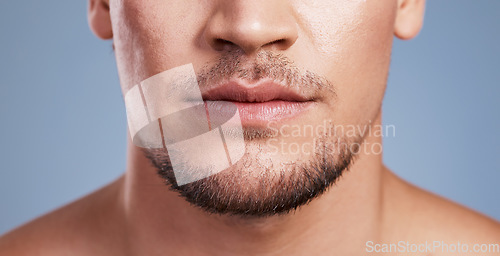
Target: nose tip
<point x="251" y="28"/>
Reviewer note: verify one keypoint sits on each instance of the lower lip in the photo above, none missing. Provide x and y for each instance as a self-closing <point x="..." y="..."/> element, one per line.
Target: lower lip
<point x="263" y="112"/>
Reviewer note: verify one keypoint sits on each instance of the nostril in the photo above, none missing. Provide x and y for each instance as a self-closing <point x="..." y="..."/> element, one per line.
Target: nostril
<point x="280" y="43"/>
<point x="222" y="41"/>
<point x="221" y="44"/>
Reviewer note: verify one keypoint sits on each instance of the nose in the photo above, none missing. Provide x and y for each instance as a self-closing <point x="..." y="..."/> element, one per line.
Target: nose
<point x="251" y="25"/>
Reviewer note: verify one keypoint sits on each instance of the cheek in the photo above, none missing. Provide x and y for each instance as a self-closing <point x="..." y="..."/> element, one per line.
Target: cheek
<point x="353" y="40"/>
<point x="151" y="36"/>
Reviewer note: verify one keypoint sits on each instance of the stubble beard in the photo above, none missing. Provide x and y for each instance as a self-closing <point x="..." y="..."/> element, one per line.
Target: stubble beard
<point x="263" y="184"/>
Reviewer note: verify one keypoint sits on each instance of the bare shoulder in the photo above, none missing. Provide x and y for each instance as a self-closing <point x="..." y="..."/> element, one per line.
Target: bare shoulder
<point x="420" y="216"/>
<point x="74" y="229"/>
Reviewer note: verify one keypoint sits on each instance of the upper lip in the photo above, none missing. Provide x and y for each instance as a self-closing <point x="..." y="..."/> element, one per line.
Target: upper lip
<point x="262" y="91"/>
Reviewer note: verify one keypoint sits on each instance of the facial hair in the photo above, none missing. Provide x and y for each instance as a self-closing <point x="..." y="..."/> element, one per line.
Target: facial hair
<point x="258" y="185"/>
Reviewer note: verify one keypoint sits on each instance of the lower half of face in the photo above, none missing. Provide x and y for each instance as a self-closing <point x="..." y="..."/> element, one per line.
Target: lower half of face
<point x="306" y="78"/>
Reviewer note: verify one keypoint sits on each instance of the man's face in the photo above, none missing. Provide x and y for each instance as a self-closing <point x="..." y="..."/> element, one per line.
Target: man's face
<point x="326" y="62"/>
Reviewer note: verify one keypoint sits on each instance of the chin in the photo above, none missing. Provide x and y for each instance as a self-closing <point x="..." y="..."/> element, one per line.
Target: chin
<point x="262" y="183"/>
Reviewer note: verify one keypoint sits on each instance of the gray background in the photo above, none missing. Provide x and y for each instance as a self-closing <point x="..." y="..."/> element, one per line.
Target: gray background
<point x="63" y="126"/>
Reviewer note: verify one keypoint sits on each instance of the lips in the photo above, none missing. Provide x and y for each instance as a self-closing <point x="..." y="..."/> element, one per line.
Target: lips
<point x="260" y="103"/>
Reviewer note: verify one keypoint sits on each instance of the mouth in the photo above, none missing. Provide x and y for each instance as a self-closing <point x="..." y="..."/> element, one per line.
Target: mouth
<point x="262" y="102"/>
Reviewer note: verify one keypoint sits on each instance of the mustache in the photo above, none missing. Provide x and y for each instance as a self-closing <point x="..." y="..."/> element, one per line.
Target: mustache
<point x="265" y="65"/>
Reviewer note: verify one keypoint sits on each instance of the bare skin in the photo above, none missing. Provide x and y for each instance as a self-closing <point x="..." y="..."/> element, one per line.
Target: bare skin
<point x="138" y="215"/>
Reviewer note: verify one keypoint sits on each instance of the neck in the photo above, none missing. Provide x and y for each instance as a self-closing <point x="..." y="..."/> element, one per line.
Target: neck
<point x="342" y="220"/>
